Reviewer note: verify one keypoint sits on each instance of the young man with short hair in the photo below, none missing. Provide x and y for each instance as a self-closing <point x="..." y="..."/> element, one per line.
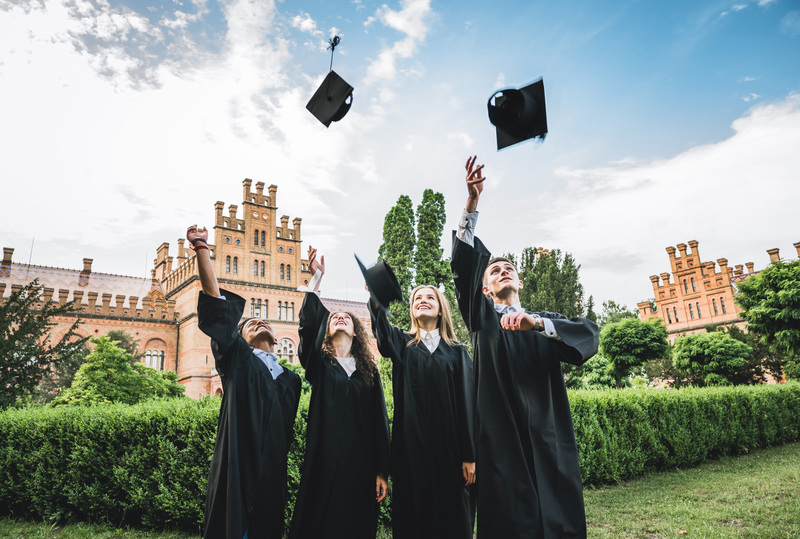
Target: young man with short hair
<point x="528" y="476"/>
<point x="246" y="492"/>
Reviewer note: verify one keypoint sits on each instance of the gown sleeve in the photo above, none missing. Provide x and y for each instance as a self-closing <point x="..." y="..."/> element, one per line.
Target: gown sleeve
<point x="468" y="265"/>
<point x="313" y="320"/>
<point x="219" y="319"/>
<point x="465" y="400"/>
<point x="382" y="442"/>
<point x="580" y="338"/>
<point x="391" y="339"/>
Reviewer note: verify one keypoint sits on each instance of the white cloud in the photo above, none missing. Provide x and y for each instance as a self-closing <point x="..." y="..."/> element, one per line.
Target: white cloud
<point x="386" y="95"/>
<point x="790" y="23"/>
<point x="751" y="97"/>
<point x="500" y="82"/>
<point x="747" y="79"/>
<point x="739" y="7"/>
<point x="305" y="23"/>
<point x="466" y="140"/>
<point x="618" y="220"/>
<point x="410" y="20"/>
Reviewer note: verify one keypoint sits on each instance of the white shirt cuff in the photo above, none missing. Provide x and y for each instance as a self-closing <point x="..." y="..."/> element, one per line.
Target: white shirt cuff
<point x="549" y="329"/>
<point x="466" y="227"/>
<point x="314" y="280"/>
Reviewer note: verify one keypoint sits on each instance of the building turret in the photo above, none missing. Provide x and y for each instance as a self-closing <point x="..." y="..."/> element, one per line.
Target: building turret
<point x="774" y="254"/>
<point x="246" y="193"/>
<point x="296" y="223"/>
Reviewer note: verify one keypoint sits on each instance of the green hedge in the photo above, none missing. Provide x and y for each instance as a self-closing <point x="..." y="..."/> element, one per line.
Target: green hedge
<point x="146" y="465"/>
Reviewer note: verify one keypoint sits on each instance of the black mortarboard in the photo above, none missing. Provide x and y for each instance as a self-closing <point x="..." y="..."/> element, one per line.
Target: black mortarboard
<point x="328" y="104"/>
<point x="382" y="284"/>
<point x="518" y="114"/>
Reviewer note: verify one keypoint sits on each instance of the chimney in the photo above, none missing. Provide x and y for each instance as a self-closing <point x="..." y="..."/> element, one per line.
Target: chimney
<point x="654" y="280"/>
<point x="218" y="206"/>
<point x="723" y="265"/>
<point x="739" y="269"/>
<point x="750" y="266"/>
<point x="682" y="249"/>
<point x="246" y="193"/>
<point x="5" y="268"/>
<point x="797" y="247"/>
<point x="133" y="301"/>
<point x="106" y="303"/>
<point x="671" y="252"/>
<point x="87" y="265"/>
<point x="120" y="304"/>
<point x="2" y="291"/>
<point x="774" y="254"/>
<point x="664" y="278"/>
<point x="77" y="298"/>
<point x="296" y="222"/>
<point x="92" y="297"/>
<point x="181" y="248"/>
<point x="63" y="294"/>
<point x="48" y="295"/>
<point x="260" y="190"/>
<point x="273" y="196"/>
<point x="232" y="214"/>
<point x="693" y="246"/>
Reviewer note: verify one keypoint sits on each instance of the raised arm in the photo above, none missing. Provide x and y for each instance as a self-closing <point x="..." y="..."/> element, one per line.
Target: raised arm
<point x="391" y="341"/>
<point x="313" y="321"/>
<point x="199" y="241"/>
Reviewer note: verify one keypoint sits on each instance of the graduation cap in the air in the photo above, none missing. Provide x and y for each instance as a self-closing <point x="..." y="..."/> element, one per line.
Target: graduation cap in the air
<point x="329" y="103"/>
<point x="519" y="115"/>
<point x="382" y="283"/>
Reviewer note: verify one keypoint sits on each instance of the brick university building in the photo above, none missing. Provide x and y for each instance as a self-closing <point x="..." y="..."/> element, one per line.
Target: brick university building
<point x="257" y="256"/>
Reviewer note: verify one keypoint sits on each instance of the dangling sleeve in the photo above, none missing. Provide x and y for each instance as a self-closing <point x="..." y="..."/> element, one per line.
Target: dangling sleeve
<point x="219" y="318"/>
<point x="391" y="339"/>
<point x="468" y="265"/>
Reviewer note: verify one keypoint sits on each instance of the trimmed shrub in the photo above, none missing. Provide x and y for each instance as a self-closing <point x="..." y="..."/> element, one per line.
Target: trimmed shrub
<point x="147" y="465"/>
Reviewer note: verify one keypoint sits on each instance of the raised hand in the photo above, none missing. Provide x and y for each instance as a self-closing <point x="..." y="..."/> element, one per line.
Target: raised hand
<point x="193" y="233"/>
<point x="475" y="181"/>
<point x="313" y="263"/>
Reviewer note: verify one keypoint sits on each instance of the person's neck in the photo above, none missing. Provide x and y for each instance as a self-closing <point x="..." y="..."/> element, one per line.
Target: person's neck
<point x="512" y="298"/>
<point x="342" y="345"/>
<point x="264" y="344"/>
<point x="428" y="324"/>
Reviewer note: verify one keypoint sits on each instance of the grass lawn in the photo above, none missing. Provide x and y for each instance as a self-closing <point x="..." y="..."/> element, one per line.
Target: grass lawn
<point x="756" y="495"/>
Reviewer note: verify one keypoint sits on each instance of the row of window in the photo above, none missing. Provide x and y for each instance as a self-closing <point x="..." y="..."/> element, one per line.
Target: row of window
<point x="155" y="359"/>
<point x="285" y="309"/>
<point x="697" y="306"/>
<point x="263" y="236"/>
<point x="686" y="286"/>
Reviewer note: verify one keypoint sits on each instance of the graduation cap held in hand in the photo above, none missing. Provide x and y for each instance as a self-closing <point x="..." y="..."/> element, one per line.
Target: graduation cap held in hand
<point x="382" y="283"/>
<point x="518" y="115"/>
<point x="330" y="102"/>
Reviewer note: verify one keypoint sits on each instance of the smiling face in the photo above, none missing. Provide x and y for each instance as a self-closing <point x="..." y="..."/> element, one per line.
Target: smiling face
<point x="256" y="331"/>
<point x="425" y="304"/>
<point x="341" y="322"/>
<point x="501" y="279"/>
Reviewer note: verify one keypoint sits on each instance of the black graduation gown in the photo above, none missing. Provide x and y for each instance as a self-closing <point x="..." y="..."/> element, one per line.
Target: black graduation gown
<point x="529" y="479"/>
<point x="433" y="434"/>
<point x="247" y="481"/>
<point x="347" y="442"/>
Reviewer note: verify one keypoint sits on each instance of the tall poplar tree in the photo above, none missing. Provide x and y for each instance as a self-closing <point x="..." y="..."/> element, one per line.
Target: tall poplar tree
<point x="398" y="251"/>
<point x="550" y="282"/>
<point x="431" y="217"/>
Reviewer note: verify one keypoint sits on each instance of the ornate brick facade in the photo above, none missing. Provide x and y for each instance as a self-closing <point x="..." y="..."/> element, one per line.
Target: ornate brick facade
<point x="256" y="257"/>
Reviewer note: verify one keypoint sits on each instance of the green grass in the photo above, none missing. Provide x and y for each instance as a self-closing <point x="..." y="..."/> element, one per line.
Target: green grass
<point x="756" y="495"/>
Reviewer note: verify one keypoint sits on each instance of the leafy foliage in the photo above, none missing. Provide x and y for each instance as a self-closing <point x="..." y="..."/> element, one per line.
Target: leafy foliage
<point x="60" y="377"/>
<point x="715" y="358"/>
<point x="771" y="303"/>
<point x="614" y="312"/>
<point x="108" y="376"/>
<point x="128" y="343"/>
<point x="398" y="251"/>
<point x="551" y="282"/>
<point x="629" y="343"/>
<point x="590" y="314"/>
<point x="26" y="354"/>
<point x="430" y="268"/>
<point x="597" y="374"/>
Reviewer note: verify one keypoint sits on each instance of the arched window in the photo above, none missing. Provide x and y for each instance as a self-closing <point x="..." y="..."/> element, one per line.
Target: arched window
<point x="285" y="350"/>
<point x="691" y="312"/>
<point x="279" y="311"/>
<point x="714" y="303"/>
<point x="288" y="272"/>
<point x="227" y="264"/>
<point x="286" y="310"/>
<point x="675" y="312"/>
<point x="699" y="314"/>
<point x="266" y="309"/>
<point x="155" y="359"/>
<point x="235" y="264"/>
<point x="255" y="238"/>
<point x="282" y="272"/>
<point x="258" y="309"/>
<point x="693" y="287"/>
<point x="669" y="318"/>
<point x="722" y="304"/>
<point x="252" y="307"/>
<point x="263" y="238"/>
<point x="262" y="268"/>
<point x="255" y="268"/>
<point x="279" y="233"/>
<point x="291" y="235"/>
<point x="685" y="286"/>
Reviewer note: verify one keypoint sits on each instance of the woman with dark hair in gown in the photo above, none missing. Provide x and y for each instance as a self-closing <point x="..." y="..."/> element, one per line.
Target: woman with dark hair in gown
<point x="346" y="466"/>
<point x="433" y="446"/>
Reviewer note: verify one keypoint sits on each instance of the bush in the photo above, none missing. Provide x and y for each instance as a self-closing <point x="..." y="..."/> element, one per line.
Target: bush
<point x="147" y="465"/>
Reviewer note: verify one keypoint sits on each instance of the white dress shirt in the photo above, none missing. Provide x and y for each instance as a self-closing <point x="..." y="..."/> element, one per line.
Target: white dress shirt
<point x="430" y="339"/>
<point x="466" y="233"/>
<point x="348" y="364"/>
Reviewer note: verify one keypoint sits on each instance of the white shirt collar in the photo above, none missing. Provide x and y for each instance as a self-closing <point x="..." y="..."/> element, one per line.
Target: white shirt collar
<point x="348" y="364"/>
<point x="517" y="307"/>
<point x="433" y="334"/>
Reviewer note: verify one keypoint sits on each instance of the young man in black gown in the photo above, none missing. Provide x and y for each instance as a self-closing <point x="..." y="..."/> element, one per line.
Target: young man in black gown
<point x="246" y="491"/>
<point x="528" y="476"/>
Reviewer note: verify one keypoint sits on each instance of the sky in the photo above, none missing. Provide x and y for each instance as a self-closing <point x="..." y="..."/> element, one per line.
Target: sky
<point x="122" y="122"/>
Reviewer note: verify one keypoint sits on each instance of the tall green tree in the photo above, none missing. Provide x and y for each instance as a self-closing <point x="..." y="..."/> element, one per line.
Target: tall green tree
<point x="551" y="282"/>
<point x="771" y="303"/>
<point x="715" y="358"/>
<point x="26" y="351"/>
<point x="127" y="342"/>
<point x="630" y="342"/>
<point x="614" y="312"/>
<point x="590" y="314"/>
<point x="107" y="376"/>
<point x="430" y="268"/>
<point x="397" y="250"/>
<point x="61" y="375"/>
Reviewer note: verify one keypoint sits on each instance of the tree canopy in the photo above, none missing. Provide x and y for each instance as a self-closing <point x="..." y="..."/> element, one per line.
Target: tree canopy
<point x="771" y="303"/>
<point x="108" y="376"/>
<point x="551" y="282"/>
<point x="630" y="342"/>
<point x="614" y="312"/>
<point x="26" y="352"/>
<point x="714" y="358"/>
<point x="397" y="250"/>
